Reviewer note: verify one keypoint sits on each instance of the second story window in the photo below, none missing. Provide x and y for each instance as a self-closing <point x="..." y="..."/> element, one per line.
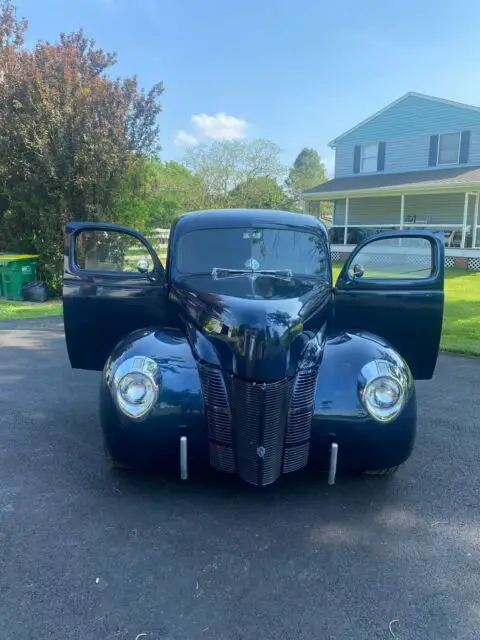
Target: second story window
<point x="369" y="158"/>
<point x="448" y="148"/>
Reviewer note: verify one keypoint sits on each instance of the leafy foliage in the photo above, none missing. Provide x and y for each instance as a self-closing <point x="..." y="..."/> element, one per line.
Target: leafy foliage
<point x="154" y="193"/>
<point x="67" y="134"/>
<point x="262" y="192"/>
<point x="225" y="165"/>
<point x="307" y="171"/>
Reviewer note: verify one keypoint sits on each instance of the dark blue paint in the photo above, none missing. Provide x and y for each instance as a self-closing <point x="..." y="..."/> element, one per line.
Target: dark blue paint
<point x="263" y="329"/>
<point x="407" y="312"/>
<point x="338" y="414"/>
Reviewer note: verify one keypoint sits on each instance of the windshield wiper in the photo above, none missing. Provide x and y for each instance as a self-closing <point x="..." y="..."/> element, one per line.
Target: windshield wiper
<point x="220" y="272"/>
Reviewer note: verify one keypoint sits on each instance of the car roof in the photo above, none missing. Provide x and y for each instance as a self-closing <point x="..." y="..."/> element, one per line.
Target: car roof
<point x="228" y="218"/>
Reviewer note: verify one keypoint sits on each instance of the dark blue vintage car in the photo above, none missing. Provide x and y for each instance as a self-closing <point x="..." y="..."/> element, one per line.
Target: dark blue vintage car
<point x="242" y="353"/>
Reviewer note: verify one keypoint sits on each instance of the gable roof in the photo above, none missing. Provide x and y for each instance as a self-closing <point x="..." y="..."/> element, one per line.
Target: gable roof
<point x="410" y="94"/>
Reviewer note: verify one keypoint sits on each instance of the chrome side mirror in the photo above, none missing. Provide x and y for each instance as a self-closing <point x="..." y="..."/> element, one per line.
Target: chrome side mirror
<point x="358" y="271"/>
<point x="143" y="266"/>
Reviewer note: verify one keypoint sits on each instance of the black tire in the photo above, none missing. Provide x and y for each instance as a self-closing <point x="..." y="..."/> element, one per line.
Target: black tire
<point x="388" y="471"/>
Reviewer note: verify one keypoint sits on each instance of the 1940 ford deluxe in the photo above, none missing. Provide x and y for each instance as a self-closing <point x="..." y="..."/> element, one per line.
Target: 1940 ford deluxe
<point x="241" y="352"/>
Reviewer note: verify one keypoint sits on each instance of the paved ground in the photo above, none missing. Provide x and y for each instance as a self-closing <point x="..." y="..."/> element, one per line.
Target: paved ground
<point x="86" y="554"/>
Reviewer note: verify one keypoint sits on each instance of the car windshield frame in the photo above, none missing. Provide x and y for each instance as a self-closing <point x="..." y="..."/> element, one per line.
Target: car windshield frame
<point x="176" y="274"/>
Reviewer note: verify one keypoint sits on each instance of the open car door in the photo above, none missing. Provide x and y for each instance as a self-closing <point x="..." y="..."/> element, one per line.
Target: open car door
<point x="113" y="284"/>
<point x="392" y="285"/>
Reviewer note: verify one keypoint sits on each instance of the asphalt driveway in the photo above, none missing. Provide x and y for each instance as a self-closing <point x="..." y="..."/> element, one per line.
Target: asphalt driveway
<point x="87" y="554"/>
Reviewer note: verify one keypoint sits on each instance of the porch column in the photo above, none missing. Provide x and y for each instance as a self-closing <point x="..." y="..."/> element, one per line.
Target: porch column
<point x="464" y="224"/>
<point x="345" y="231"/>
<point x="475" y="220"/>
<point x="402" y="210"/>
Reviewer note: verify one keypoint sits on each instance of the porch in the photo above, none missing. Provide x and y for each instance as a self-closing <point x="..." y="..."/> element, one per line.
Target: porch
<point x="356" y="216"/>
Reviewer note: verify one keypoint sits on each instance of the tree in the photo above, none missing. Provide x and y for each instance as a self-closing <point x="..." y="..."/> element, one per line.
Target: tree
<point x="67" y="135"/>
<point x="307" y="171"/>
<point x="262" y="192"/>
<point x="224" y="165"/>
<point x="154" y="193"/>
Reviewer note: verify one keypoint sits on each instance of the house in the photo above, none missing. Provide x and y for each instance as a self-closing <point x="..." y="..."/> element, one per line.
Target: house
<point x="413" y="165"/>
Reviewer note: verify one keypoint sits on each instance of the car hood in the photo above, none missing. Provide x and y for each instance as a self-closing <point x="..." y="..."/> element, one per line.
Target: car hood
<point x="258" y="327"/>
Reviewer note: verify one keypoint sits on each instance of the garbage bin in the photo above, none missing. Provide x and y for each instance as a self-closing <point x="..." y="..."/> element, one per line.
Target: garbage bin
<point x="17" y="270"/>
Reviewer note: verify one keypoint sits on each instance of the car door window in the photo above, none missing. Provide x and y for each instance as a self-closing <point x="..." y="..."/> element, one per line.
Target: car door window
<point x="392" y="258"/>
<point x="102" y="250"/>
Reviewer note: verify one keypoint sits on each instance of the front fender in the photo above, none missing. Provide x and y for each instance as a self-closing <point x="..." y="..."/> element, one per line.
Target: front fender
<point x="178" y="410"/>
<point x="339" y="415"/>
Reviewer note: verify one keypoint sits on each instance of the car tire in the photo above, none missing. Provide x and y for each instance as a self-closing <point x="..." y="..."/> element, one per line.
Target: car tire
<point x="388" y="471"/>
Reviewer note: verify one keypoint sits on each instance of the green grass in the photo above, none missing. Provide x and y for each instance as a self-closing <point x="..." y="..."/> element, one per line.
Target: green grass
<point x="10" y="310"/>
<point x="461" y="320"/>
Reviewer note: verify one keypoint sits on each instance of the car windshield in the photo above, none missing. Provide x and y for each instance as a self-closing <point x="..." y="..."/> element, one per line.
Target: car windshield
<point x="233" y="252"/>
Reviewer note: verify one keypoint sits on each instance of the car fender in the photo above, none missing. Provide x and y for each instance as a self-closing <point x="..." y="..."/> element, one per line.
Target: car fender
<point x="339" y="415"/>
<point x="179" y="407"/>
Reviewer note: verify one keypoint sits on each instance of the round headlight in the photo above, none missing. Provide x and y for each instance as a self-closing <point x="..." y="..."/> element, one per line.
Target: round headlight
<point x="384" y="391"/>
<point x="134" y="387"/>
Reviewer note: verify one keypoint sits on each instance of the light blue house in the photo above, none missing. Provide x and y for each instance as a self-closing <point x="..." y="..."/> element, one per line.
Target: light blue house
<point x="414" y="164"/>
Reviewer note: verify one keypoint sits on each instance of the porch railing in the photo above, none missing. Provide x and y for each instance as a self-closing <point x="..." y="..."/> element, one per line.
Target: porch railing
<point x="353" y="234"/>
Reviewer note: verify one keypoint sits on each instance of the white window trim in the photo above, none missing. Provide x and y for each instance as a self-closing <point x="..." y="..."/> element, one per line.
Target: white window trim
<point x="446" y="133"/>
<point x="369" y="144"/>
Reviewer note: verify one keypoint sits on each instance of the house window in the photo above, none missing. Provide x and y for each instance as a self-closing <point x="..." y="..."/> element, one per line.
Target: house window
<point x="448" y="148"/>
<point x="368" y="159"/>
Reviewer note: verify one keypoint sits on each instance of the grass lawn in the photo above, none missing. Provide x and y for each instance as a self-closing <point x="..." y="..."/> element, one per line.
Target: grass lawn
<point x="461" y="324"/>
<point x="17" y="310"/>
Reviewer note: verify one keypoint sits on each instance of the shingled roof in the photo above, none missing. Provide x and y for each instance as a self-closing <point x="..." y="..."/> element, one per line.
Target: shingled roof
<point x="410" y="181"/>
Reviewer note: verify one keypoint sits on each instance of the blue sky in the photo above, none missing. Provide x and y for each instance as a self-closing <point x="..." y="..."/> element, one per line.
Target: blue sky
<point x="298" y="73"/>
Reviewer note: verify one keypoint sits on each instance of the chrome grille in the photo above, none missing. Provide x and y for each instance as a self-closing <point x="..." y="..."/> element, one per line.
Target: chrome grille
<point x="259" y="412"/>
<point x="219" y="419"/>
<point x="297" y="438"/>
<point x="259" y="430"/>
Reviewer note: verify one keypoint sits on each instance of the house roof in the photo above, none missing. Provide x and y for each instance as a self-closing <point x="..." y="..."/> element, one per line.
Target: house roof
<point x="428" y="179"/>
<point x="410" y="94"/>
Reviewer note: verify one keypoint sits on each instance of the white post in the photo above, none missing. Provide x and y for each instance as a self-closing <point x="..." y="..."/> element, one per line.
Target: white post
<point x="475" y="220"/>
<point x="305" y="206"/>
<point x="345" y="231"/>
<point x="464" y="224"/>
<point x="402" y="210"/>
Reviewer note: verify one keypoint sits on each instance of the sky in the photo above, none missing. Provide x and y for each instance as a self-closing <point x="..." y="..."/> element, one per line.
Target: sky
<point x="297" y="73"/>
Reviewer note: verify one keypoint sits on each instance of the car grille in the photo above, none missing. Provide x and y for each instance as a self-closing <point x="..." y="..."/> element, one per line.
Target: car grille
<point x="258" y="430"/>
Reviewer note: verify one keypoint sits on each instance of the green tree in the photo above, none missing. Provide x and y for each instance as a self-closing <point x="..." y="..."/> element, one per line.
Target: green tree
<point x="262" y="192"/>
<point x="224" y="165"/>
<point x="307" y="171"/>
<point x="67" y="134"/>
<point x="154" y="193"/>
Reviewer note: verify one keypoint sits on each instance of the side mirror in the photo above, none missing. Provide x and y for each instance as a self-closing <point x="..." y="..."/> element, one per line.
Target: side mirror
<point x="358" y="271"/>
<point x="143" y="266"/>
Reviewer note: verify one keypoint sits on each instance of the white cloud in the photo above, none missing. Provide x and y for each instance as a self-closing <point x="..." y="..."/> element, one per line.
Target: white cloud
<point x="219" y="127"/>
<point x="185" y="139"/>
<point x="205" y="128"/>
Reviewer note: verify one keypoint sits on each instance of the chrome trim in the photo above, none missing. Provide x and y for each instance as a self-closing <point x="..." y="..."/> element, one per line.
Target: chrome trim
<point x="183" y="458"/>
<point x="332" y="472"/>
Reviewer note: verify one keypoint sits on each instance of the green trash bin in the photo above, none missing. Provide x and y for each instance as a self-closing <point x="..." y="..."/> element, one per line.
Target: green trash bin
<point x="17" y="270"/>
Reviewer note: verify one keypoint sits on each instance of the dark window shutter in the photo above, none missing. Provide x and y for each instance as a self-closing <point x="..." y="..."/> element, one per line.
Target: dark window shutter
<point x="464" y="147"/>
<point x="432" y="154"/>
<point x="356" y="159"/>
<point x="381" y="156"/>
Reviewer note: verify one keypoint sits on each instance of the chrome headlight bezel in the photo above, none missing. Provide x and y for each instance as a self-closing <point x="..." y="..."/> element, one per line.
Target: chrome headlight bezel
<point x="393" y="375"/>
<point x="141" y="371"/>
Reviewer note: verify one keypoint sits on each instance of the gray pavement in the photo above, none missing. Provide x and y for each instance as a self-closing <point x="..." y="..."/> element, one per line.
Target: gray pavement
<point x="88" y="554"/>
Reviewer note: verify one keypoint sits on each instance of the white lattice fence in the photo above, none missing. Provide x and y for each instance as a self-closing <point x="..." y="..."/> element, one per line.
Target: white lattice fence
<point x="474" y="264"/>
